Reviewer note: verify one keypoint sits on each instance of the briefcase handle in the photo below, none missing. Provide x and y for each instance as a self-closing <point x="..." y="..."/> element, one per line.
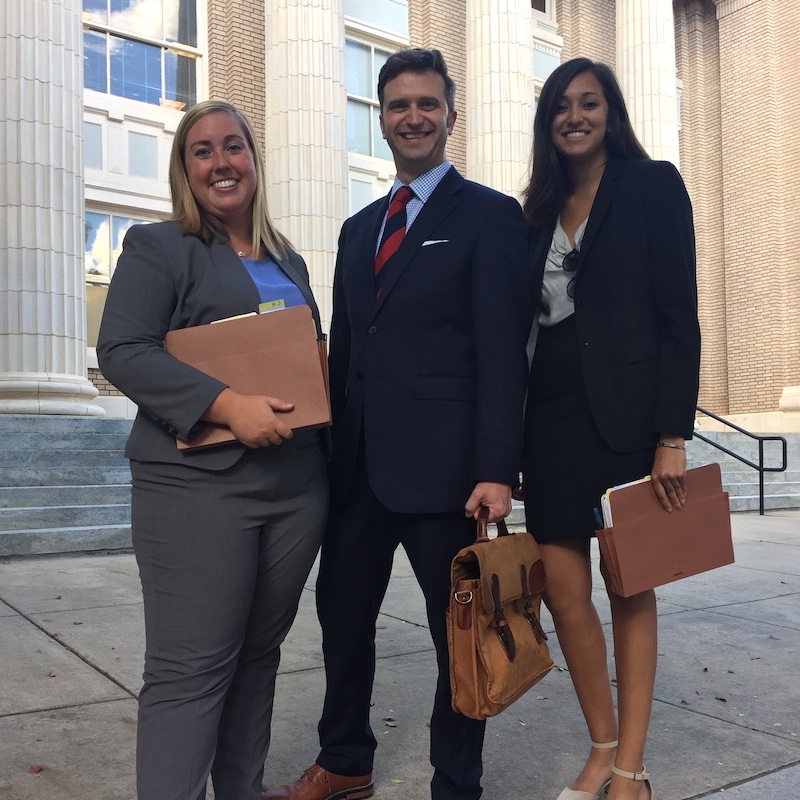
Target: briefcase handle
<point x="483" y="526"/>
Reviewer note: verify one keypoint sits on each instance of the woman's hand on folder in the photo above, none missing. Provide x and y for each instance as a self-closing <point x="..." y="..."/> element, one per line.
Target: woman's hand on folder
<point x="668" y="475"/>
<point x="254" y="419"/>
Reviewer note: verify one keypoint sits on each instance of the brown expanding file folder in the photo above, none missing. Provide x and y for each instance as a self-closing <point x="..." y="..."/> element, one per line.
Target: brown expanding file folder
<point x="647" y="547"/>
<point x="275" y="354"/>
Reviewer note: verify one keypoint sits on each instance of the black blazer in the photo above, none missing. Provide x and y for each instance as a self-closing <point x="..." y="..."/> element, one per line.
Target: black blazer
<point x="163" y="281"/>
<point x="636" y="304"/>
<point x="434" y="370"/>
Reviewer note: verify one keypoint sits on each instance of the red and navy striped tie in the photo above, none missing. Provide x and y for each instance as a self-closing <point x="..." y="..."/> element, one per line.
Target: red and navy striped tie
<point x="393" y="232"/>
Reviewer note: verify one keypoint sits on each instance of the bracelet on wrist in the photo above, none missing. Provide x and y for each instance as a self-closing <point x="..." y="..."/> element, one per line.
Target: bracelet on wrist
<point x="673" y="446"/>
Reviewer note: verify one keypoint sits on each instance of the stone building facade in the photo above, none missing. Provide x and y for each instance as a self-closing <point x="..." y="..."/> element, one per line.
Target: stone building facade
<point x="87" y="141"/>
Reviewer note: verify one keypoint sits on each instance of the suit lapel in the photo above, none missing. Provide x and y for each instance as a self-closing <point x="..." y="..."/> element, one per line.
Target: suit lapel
<point x="286" y="266"/>
<point x="539" y="240"/>
<point x="236" y="275"/>
<point x="614" y="170"/>
<point x="443" y="200"/>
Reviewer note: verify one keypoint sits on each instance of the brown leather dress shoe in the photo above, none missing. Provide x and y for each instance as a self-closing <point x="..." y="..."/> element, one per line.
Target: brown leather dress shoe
<point x="319" y="784"/>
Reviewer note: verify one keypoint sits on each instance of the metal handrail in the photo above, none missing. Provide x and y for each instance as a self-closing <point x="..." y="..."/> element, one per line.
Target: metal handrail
<point x="760" y="439"/>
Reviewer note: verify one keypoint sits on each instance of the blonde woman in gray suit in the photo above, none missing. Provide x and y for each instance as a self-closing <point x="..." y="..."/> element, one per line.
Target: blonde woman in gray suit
<point x="224" y="537"/>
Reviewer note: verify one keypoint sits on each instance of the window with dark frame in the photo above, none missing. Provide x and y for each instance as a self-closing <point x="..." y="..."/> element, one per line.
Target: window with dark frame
<point x="131" y="52"/>
<point x="363" y="62"/>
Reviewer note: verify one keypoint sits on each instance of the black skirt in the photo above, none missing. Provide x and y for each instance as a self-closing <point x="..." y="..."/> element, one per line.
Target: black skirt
<point x="567" y="465"/>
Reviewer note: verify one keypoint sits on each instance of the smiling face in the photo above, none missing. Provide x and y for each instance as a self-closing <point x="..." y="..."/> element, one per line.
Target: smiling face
<point x="579" y="126"/>
<point x="220" y="167"/>
<point x="416" y="122"/>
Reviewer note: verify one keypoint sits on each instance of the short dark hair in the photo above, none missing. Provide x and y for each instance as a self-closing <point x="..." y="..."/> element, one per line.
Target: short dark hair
<point x="549" y="185"/>
<point x="417" y="59"/>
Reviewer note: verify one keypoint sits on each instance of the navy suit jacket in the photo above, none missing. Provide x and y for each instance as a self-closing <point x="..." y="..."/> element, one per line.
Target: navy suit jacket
<point x="432" y="374"/>
<point x="165" y="280"/>
<point x="636" y="304"/>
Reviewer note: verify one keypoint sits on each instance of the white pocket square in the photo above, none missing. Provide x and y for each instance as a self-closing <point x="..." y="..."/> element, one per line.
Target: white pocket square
<point x="435" y="241"/>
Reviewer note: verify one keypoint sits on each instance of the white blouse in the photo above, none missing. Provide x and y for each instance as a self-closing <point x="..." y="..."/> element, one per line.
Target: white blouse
<point x="556" y="304"/>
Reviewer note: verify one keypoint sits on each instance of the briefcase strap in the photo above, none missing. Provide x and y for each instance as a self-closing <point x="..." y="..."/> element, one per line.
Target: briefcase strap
<point x="483" y="526"/>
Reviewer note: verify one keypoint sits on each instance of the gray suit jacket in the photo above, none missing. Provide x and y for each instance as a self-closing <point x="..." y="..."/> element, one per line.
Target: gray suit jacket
<point x="165" y="280"/>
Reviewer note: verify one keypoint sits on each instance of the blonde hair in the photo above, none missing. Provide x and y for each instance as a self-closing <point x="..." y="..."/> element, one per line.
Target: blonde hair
<point x="190" y="215"/>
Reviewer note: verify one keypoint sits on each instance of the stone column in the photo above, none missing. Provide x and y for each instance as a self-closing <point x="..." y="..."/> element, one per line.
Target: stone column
<point x="646" y="72"/>
<point x="42" y="287"/>
<point x="499" y="93"/>
<point x="306" y="131"/>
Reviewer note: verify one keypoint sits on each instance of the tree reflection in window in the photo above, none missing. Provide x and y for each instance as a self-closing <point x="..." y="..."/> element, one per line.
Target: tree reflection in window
<point x="104" y="234"/>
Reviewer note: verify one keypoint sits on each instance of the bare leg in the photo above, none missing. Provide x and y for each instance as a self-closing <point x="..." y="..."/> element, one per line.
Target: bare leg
<point x="635" y="653"/>
<point x="580" y="634"/>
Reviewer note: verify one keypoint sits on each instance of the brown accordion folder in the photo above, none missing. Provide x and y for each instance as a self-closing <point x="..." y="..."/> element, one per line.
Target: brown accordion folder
<point x="276" y="354"/>
<point x="646" y="546"/>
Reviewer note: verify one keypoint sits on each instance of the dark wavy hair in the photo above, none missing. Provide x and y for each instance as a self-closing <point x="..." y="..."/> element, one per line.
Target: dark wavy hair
<point x="550" y="184"/>
<point x="417" y="59"/>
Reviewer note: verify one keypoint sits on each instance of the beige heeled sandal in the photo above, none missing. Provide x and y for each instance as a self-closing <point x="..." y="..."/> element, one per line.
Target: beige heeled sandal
<point x="644" y="776"/>
<point x="574" y="794"/>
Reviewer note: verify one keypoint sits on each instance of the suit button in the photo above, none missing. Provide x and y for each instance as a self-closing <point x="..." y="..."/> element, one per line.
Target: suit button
<point x="360" y="375"/>
<point x="373" y="329"/>
<point x="585" y="346"/>
<point x="579" y="305"/>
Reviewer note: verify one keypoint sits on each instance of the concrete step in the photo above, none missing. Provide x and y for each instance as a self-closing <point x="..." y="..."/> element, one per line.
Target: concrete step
<point x="65" y="476"/>
<point x="64" y="484"/>
<point x="55" y="459"/>
<point x="742" y="445"/>
<point x="56" y="424"/>
<point x="16" y="441"/>
<point x="29" y="496"/>
<point x="781" y="489"/>
<point x="749" y="502"/>
<point x="751" y="487"/>
<point x="44" y="541"/>
<point x="65" y="516"/>
<point x="751" y="476"/>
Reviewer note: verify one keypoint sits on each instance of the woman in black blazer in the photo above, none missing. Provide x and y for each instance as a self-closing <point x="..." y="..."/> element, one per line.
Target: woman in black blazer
<point x="612" y="390"/>
<point x="224" y="537"/>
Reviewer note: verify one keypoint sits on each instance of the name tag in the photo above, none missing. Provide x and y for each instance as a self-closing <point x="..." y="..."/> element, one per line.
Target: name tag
<point x="272" y="305"/>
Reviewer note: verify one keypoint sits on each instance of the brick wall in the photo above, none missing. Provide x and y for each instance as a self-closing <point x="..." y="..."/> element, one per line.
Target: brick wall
<point x="786" y="266"/>
<point x="104" y="388"/>
<point x="589" y="29"/>
<point x="236" y="57"/>
<point x="443" y="24"/>
<point x="758" y="63"/>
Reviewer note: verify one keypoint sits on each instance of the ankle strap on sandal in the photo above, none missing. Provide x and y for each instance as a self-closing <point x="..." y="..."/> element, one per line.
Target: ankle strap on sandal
<point x="634" y="776"/>
<point x="605" y="745"/>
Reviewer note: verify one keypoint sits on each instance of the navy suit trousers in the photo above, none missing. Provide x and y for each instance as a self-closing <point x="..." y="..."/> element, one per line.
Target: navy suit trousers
<point x="356" y="564"/>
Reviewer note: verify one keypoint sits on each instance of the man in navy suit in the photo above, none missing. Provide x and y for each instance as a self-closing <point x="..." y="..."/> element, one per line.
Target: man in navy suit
<point x="427" y="373"/>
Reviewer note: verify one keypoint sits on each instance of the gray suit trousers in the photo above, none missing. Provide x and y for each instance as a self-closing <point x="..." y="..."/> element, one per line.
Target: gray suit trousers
<point x="223" y="557"/>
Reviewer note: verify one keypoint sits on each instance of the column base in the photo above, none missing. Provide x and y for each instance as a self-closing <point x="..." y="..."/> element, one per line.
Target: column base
<point x="48" y="393"/>
<point x="790" y="399"/>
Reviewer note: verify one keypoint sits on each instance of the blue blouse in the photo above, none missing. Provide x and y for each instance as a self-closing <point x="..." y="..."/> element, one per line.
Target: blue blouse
<point x="274" y="288"/>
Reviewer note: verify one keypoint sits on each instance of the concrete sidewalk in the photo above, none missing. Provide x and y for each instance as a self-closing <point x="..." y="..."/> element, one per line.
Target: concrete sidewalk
<point x="726" y="715"/>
